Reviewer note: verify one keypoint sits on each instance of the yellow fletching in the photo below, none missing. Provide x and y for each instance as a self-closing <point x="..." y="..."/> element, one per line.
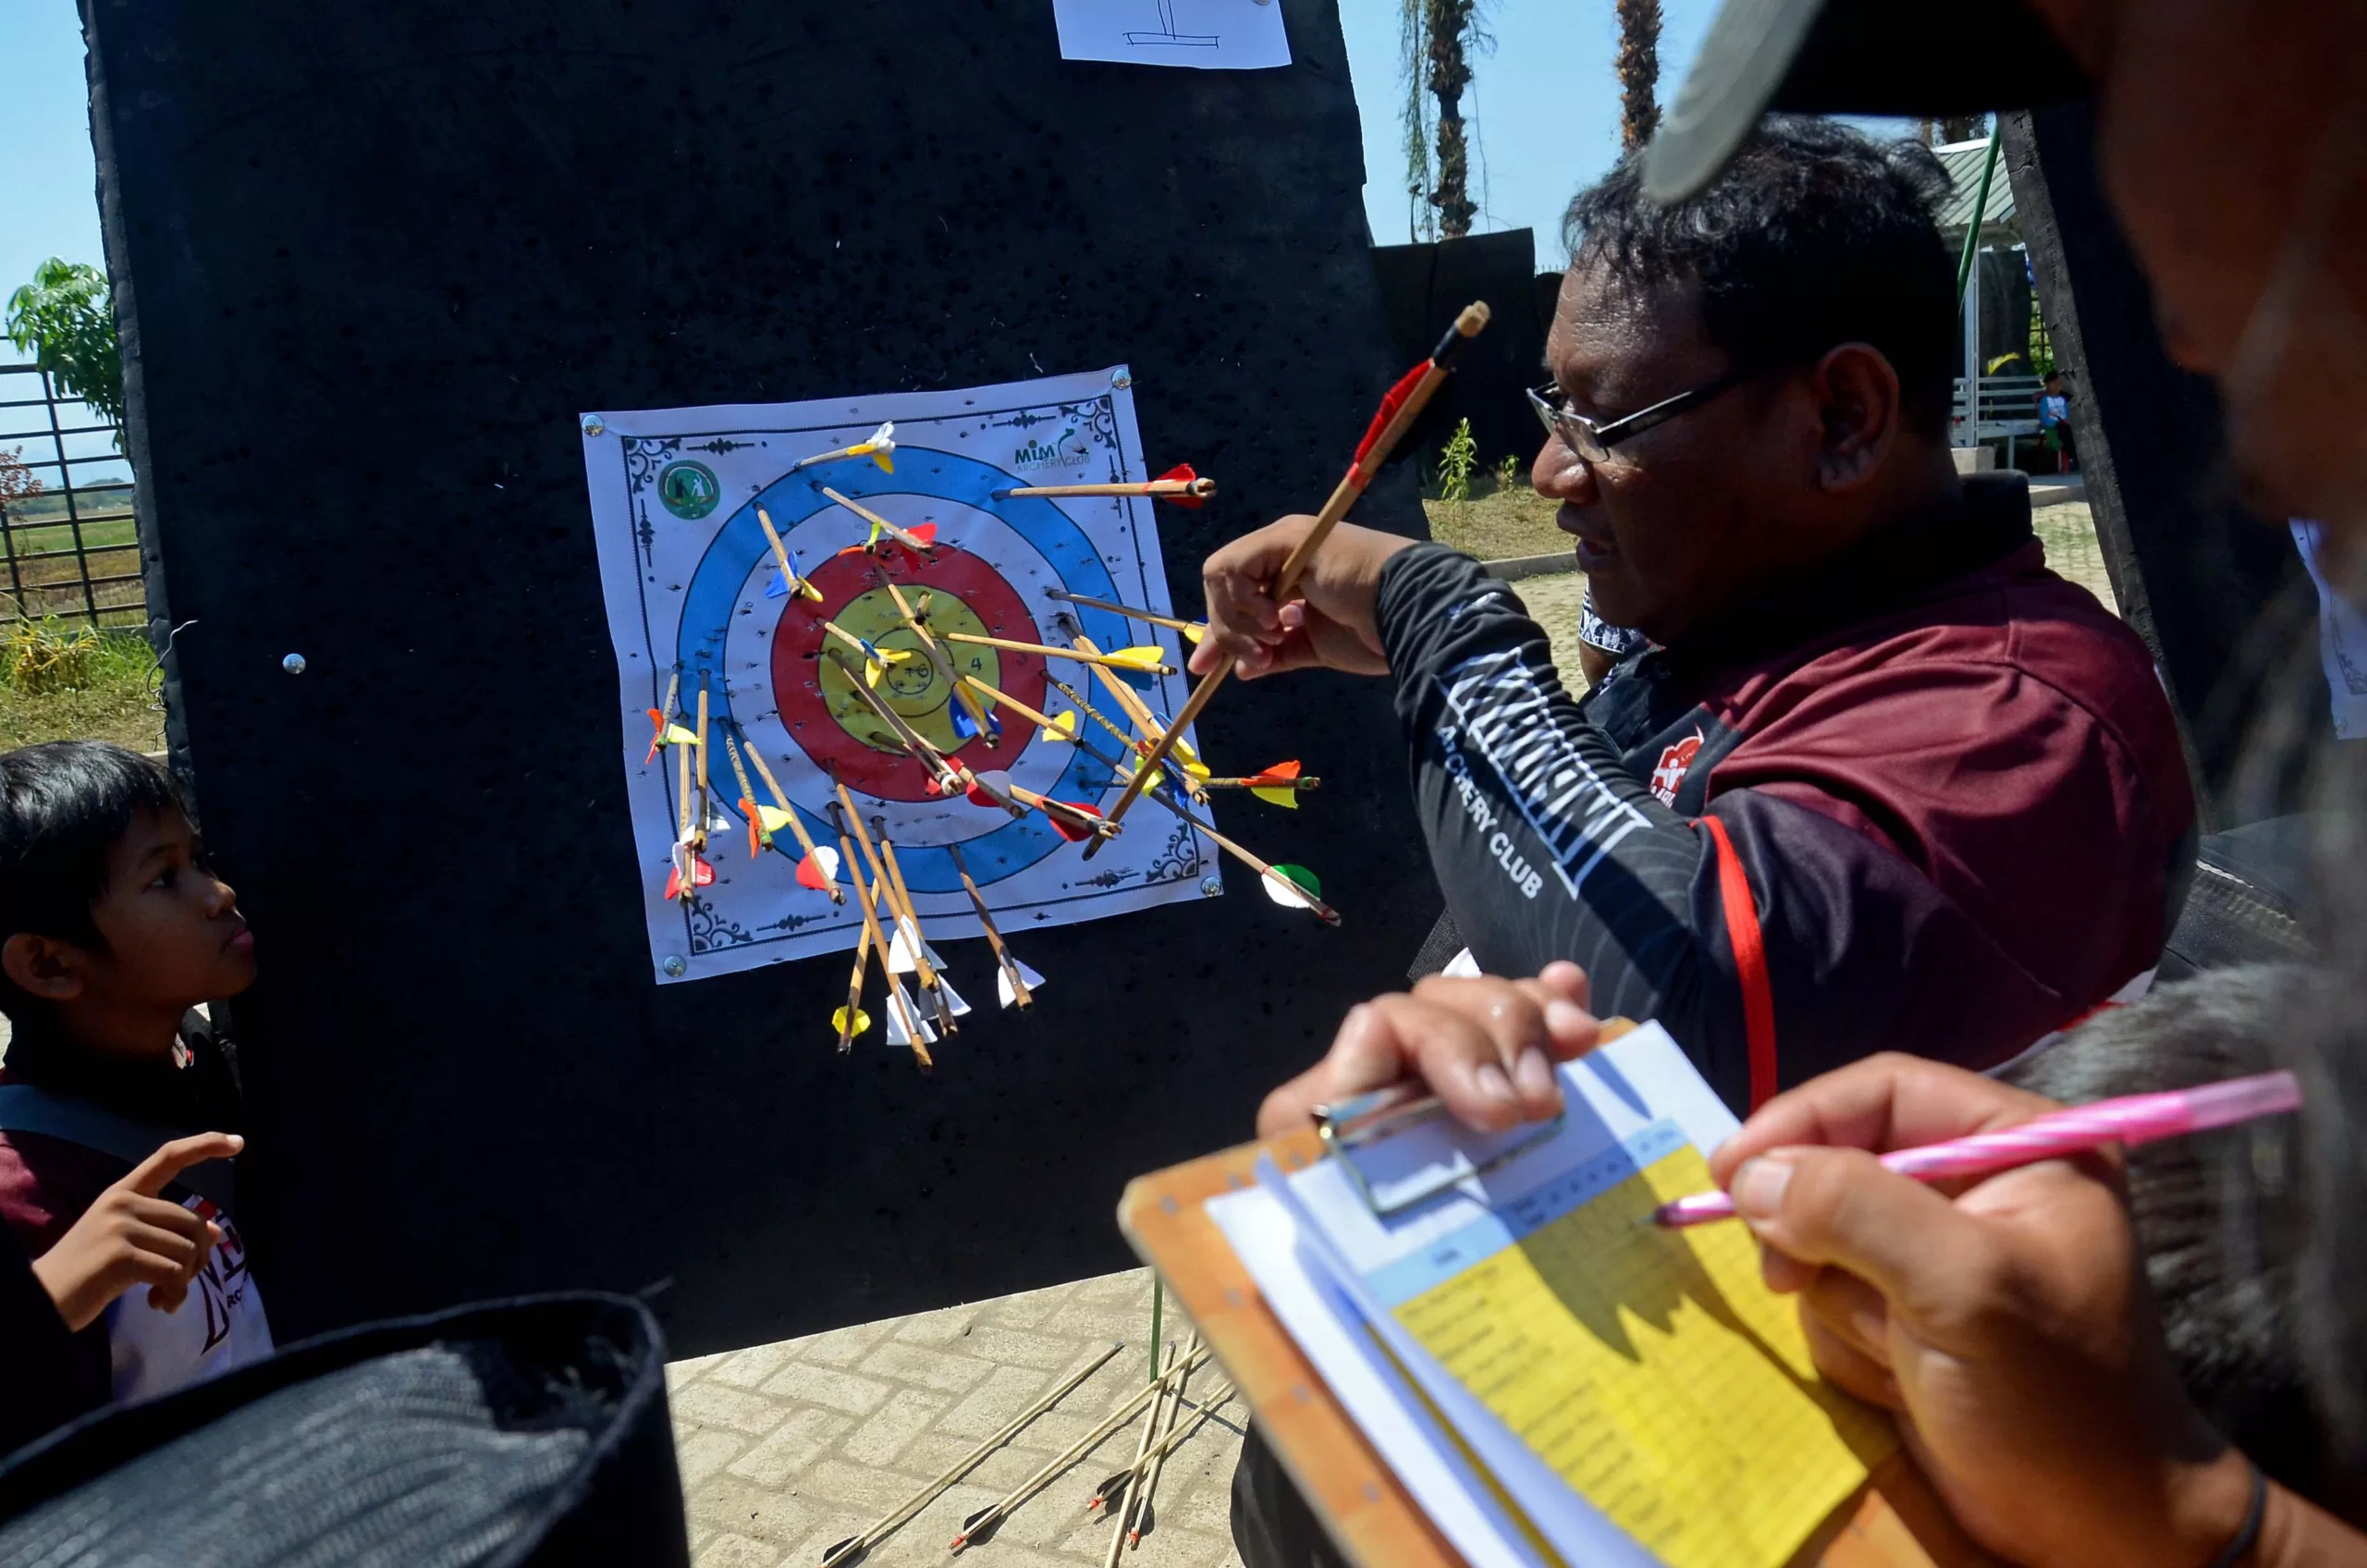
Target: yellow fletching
<point x="1139" y="658"/>
<point x="1194" y="632"/>
<point x="887" y="460"/>
<point x="676" y="735"/>
<point x="773" y="818"/>
<point x="1287" y="798"/>
<point x="861" y="1023"/>
<point x="1062" y="728"/>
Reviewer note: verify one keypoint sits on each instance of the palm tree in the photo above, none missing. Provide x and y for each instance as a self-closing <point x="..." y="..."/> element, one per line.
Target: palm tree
<point x="1437" y="39"/>
<point x="1639" y="71"/>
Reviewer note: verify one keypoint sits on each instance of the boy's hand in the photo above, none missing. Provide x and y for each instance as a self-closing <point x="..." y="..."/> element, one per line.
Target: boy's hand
<point x="1486" y="1046"/>
<point x="1328" y="625"/>
<point x="131" y="1237"/>
<point x="2005" y="1318"/>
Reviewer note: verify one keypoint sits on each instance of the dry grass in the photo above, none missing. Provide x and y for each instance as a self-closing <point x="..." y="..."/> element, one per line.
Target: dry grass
<point x="110" y="698"/>
<point x="1496" y="527"/>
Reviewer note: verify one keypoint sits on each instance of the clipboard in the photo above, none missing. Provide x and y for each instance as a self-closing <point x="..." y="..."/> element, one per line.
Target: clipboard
<point x="1894" y="1521"/>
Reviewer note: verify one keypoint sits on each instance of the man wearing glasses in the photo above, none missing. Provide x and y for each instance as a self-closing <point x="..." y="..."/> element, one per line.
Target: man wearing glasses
<point x="1882" y="781"/>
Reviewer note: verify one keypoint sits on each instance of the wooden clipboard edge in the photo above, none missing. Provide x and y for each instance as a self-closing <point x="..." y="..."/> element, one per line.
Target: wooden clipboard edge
<point x="1351" y="1489"/>
<point x="1896" y="1520"/>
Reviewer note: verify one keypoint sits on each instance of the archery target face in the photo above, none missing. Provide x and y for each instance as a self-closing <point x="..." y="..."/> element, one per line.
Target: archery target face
<point x="689" y="594"/>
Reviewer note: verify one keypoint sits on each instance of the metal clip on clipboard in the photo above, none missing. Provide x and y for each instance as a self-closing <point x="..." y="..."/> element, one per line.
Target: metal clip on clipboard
<point x="1402" y="1148"/>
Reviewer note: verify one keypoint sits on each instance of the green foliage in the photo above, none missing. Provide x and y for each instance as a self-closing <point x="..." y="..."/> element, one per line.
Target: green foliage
<point x="2041" y="355"/>
<point x="41" y="655"/>
<point x="1508" y="472"/>
<point x="1457" y="463"/>
<point x="65" y="319"/>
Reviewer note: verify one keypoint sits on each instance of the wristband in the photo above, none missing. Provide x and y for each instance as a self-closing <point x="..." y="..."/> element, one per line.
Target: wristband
<point x="2247" y="1534"/>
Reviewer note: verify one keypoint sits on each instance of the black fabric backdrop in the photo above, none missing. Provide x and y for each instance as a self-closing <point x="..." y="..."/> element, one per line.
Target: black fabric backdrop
<point x="371" y="262"/>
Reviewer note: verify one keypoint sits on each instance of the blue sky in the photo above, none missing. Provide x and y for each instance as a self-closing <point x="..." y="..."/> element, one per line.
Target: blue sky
<point x="1545" y="105"/>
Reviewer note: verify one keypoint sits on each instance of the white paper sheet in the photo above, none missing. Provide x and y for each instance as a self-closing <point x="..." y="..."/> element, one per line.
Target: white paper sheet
<point x="1220" y="35"/>
<point x="687" y="573"/>
<point x="1317" y="1288"/>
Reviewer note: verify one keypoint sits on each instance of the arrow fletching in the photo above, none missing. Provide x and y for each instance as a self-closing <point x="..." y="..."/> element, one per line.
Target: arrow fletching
<point x="758" y="835"/>
<point x="774" y="819"/>
<point x="1069" y="827"/>
<point x="676" y="735"/>
<point x="1183" y="472"/>
<point x="1290" y="886"/>
<point x="819" y="870"/>
<point x="953" y="1006"/>
<point x="861" y="1026"/>
<point x="1145" y="659"/>
<point x="1028" y="977"/>
<point x="988" y="788"/>
<point x="1062" y="728"/>
<point x="1286" y="799"/>
<point x="832" y="1559"/>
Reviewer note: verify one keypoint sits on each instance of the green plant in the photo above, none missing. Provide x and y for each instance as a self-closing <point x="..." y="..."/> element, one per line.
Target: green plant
<point x="1508" y="472"/>
<point x="18" y="482"/>
<point x="43" y="656"/>
<point x="1457" y="463"/>
<point x="66" y="321"/>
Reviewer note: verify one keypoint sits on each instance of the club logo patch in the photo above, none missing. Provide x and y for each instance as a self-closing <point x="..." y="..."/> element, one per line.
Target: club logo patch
<point x="1675" y="762"/>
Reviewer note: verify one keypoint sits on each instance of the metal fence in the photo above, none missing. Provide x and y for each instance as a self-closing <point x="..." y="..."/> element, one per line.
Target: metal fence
<point x="68" y="544"/>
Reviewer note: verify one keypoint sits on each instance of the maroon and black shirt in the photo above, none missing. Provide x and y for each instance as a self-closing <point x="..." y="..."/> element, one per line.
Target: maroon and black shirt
<point x="1930" y="798"/>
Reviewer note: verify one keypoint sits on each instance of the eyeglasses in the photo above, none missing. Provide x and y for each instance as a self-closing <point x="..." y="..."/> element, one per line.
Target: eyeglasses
<point x="1592" y="439"/>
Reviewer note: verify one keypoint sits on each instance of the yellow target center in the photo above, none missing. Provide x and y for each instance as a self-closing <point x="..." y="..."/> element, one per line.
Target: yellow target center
<point x="911" y="686"/>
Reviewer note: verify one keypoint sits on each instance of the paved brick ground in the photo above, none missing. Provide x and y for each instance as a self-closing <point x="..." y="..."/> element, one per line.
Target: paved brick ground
<point x="787" y="1447"/>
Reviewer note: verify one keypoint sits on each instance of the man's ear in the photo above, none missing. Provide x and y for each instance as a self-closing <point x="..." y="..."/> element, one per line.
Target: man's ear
<point x="1858" y="395"/>
<point x="43" y="966"/>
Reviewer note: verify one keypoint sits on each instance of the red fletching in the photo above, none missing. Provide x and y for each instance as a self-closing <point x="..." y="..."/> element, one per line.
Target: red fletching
<point x="1281" y="773"/>
<point x="978" y="796"/>
<point x="809" y="874"/>
<point x="702" y="876"/>
<point x="656" y="735"/>
<point x="925" y="533"/>
<point x="756" y="827"/>
<point x="1076" y="832"/>
<point x="1183" y="473"/>
<point x="1387" y="412"/>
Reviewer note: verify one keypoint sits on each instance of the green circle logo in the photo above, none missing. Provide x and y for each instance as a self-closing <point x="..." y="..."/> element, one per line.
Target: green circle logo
<point x="689" y="490"/>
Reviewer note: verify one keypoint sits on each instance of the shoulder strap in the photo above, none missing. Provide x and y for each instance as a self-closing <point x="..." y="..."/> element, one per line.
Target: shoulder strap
<point x="27" y="1109"/>
<point x="1751" y="963"/>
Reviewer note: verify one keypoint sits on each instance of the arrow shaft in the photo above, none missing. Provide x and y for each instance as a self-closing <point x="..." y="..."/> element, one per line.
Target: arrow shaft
<point x="913" y="916"/>
<point x="895" y="909"/>
<point x="1171" y="622"/>
<point x="703" y="789"/>
<point x="994" y="937"/>
<point x="780" y="551"/>
<point x="855" y="988"/>
<point x="1069" y="1457"/>
<point x="1142" y="1445"/>
<point x="1303" y="785"/>
<point x="1139" y="711"/>
<point x="796" y="822"/>
<point x="904" y="1511"/>
<point x="866" y="899"/>
<point x="1044" y="651"/>
<point x="1367" y="462"/>
<point x="1147" y="1484"/>
<point x="909" y="541"/>
<point x="927" y="755"/>
<point x="998" y="694"/>
<point x="937" y="657"/>
<point x="1200" y="488"/>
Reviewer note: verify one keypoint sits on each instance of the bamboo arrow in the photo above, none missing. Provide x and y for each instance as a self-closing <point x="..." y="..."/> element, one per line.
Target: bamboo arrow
<point x="895" y="908"/>
<point x="1193" y="629"/>
<point x="876" y="660"/>
<point x="1178" y="484"/>
<point x="1397" y="413"/>
<point x="879" y="525"/>
<point x="1151" y="1418"/>
<point x="880" y="447"/>
<point x="704" y="806"/>
<point x="852" y="1020"/>
<point x="950" y="1005"/>
<point x="795" y="583"/>
<point x="1154" y="732"/>
<point x="759" y="836"/>
<point x="1074" y="822"/>
<point x="1145" y="660"/>
<point x="814" y="871"/>
<point x="662" y="732"/>
<point x="852" y="1549"/>
<point x="1145" y="1490"/>
<point x="937" y="657"/>
<point x="1014" y="977"/>
<point x="867" y="901"/>
<point x="1201" y="1414"/>
<point x="978" y="1525"/>
<point x="1300" y="897"/>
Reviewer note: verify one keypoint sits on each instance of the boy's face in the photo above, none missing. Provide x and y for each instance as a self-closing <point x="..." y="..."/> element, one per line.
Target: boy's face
<point x="175" y="937"/>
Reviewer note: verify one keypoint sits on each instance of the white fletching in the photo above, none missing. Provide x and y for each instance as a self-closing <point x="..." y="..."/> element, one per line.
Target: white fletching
<point x="1028" y="977"/>
<point x="897" y="1033"/>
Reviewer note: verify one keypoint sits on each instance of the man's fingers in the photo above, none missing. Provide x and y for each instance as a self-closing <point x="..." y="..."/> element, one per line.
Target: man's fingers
<point x="1881" y="1103"/>
<point x="150" y="1176"/>
<point x="1839" y="1207"/>
<point x="1845" y="1365"/>
<point x="1853" y="1310"/>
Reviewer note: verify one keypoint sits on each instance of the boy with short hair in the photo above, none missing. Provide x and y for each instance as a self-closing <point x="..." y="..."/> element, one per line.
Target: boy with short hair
<point x="112" y="930"/>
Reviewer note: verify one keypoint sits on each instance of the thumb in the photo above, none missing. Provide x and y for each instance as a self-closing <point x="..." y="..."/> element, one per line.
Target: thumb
<point x="150" y="1176"/>
<point x="1839" y="1207"/>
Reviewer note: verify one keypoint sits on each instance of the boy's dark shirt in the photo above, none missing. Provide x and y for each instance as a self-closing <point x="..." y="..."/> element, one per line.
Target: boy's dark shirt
<point x="48" y="1183"/>
<point x="1951" y="778"/>
<point x="50" y="1375"/>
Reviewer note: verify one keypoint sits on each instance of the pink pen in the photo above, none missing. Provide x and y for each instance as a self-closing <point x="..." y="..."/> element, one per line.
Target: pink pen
<point x="2139" y="1119"/>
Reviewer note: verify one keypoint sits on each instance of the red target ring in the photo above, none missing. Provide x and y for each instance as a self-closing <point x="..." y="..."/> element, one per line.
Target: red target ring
<point x="849" y="582"/>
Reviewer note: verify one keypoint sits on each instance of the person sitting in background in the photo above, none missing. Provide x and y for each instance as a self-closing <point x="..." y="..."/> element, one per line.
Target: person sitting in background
<point x="2055" y="423"/>
<point x="1883" y="778"/>
<point x="112" y="931"/>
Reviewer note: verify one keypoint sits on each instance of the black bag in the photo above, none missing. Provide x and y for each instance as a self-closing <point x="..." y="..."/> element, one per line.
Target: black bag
<point x="527" y="1431"/>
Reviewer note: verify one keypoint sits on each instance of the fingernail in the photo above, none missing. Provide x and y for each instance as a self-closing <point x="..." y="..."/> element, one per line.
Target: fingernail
<point x="1567" y="1021"/>
<point x="1759" y="1187"/>
<point x="1492" y="1083"/>
<point x="1534" y="1074"/>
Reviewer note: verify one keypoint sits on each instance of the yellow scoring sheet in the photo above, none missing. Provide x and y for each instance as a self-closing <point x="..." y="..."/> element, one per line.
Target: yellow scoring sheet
<point x="1651" y="1369"/>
